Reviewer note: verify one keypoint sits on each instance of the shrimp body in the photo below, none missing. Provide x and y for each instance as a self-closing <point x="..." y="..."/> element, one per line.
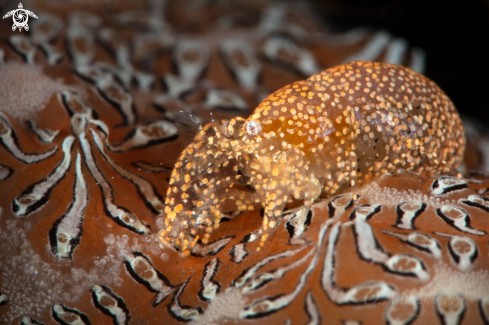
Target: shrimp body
<point x="344" y="126"/>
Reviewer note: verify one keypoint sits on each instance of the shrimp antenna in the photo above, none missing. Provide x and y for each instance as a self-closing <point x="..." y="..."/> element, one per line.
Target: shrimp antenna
<point x="187" y="124"/>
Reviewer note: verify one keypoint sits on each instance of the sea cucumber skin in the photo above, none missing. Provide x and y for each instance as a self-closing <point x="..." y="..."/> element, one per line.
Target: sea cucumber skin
<point x="344" y="126"/>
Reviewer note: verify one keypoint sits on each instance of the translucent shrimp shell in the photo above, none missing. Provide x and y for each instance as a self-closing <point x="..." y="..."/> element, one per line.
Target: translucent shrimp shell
<point x="341" y="127"/>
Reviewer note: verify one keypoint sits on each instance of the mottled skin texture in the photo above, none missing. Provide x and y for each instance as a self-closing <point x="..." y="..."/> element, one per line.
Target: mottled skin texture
<point x="341" y="127"/>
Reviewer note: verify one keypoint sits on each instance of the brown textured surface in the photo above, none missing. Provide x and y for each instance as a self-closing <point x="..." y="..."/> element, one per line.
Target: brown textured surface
<point x="37" y="276"/>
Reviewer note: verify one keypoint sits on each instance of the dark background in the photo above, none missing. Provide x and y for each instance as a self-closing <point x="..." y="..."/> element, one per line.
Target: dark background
<point x="454" y="34"/>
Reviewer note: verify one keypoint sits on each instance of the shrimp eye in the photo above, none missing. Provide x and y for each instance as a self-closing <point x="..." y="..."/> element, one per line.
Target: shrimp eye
<point x="234" y="127"/>
<point x="253" y="128"/>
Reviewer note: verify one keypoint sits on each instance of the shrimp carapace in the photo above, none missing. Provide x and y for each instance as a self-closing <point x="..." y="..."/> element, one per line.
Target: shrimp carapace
<point x="343" y="126"/>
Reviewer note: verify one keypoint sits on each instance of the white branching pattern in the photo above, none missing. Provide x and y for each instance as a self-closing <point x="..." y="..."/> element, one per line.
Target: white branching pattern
<point x="83" y="185"/>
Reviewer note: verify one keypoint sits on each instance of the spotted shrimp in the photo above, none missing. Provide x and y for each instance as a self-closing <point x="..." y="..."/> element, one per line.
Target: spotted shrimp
<point x="341" y="127"/>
